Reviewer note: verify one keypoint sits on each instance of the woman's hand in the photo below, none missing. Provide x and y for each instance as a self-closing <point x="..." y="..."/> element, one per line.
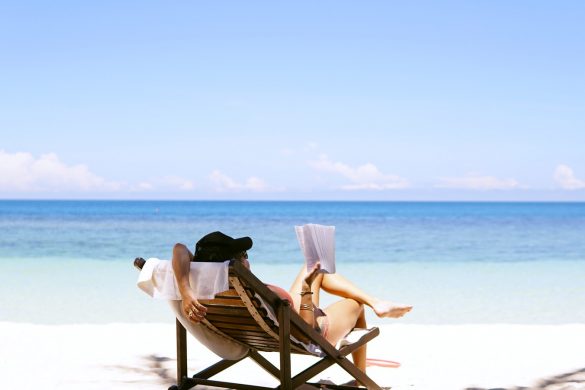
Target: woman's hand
<point x="192" y="309"/>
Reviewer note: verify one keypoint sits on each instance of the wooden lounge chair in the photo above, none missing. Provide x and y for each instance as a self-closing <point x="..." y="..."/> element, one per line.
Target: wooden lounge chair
<point x="241" y="314"/>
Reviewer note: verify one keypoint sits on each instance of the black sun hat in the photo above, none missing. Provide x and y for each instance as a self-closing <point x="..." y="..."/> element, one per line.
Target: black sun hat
<point x="218" y="247"/>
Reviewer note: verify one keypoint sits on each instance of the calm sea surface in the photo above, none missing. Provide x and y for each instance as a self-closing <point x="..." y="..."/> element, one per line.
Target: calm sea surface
<point x="70" y="261"/>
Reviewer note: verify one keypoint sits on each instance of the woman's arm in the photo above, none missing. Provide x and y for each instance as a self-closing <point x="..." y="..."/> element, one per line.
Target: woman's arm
<point x="192" y="309"/>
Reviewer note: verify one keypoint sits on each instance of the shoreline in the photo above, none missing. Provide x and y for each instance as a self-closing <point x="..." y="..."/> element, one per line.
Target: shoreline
<point x="519" y="293"/>
<point x="129" y="355"/>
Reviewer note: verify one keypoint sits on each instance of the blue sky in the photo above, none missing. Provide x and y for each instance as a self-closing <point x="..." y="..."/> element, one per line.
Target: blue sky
<point x="470" y="100"/>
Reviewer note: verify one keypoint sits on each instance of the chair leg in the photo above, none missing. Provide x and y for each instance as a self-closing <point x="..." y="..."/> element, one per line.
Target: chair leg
<point x="284" y="336"/>
<point x="264" y="363"/>
<point x="216" y="368"/>
<point x="359" y="375"/>
<point x="181" y="352"/>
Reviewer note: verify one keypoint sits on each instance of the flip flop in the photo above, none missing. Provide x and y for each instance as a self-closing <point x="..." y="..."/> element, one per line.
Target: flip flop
<point x="382" y="363"/>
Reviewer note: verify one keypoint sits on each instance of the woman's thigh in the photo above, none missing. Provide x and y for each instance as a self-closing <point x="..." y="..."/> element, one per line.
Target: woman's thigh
<point x="342" y="317"/>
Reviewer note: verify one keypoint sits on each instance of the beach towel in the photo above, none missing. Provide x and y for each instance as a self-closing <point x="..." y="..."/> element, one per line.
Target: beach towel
<point x="157" y="279"/>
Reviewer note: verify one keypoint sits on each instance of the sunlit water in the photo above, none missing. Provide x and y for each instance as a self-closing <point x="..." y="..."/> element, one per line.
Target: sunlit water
<point x="65" y="262"/>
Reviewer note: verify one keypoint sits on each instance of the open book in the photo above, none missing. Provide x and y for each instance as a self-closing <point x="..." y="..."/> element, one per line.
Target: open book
<point x="317" y="244"/>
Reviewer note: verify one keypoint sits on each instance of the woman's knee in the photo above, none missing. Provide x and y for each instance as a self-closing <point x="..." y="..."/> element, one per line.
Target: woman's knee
<point x="343" y="316"/>
<point x="357" y="306"/>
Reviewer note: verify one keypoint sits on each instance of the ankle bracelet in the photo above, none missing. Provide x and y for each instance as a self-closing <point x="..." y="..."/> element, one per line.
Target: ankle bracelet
<point x="306" y="306"/>
<point x="306" y="293"/>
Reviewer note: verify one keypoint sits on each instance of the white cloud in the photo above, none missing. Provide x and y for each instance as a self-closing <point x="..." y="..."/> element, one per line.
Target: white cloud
<point x="177" y="182"/>
<point x="144" y="186"/>
<point x="22" y="172"/>
<point x="166" y="183"/>
<point x="255" y="184"/>
<point x="224" y="183"/>
<point x="475" y="181"/>
<point x="363" y="177"/>
<point x="565" y="178"/>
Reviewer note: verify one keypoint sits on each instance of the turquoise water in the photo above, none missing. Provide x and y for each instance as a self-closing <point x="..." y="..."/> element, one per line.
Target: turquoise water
<point x="70" y="261"/>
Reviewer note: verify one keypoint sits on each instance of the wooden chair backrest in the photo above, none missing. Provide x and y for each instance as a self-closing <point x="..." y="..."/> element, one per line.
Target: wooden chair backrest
<point x="240" y="315"/>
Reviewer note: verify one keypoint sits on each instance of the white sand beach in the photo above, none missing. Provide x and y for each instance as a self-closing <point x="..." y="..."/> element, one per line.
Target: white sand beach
<point x="142" y="356"/>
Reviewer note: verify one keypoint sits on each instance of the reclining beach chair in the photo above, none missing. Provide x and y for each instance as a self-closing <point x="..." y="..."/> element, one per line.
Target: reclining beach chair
<point x="250" y="314"/>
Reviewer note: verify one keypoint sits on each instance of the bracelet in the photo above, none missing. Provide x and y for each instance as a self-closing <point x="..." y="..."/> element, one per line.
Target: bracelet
<point x="306" y="293"/>
<point x="306" y="306"/>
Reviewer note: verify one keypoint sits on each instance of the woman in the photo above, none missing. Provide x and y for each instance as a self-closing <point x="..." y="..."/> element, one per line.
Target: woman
<point x="334" y="322"/>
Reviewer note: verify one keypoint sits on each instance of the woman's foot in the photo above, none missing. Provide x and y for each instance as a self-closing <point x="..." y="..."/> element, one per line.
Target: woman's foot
<point x="386" y="309"/>
<point x="312" y="274"/>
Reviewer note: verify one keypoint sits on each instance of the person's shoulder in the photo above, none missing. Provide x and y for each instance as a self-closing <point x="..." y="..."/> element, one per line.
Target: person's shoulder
<point x="281" y="292"/>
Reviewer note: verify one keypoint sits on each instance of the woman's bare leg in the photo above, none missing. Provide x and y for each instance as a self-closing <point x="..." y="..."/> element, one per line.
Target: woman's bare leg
<point x="336" y="284"/>
<point x="343" y="316"/>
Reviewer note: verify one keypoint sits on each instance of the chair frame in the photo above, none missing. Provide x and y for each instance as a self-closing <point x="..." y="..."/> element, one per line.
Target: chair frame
<point x="288" y="319"/>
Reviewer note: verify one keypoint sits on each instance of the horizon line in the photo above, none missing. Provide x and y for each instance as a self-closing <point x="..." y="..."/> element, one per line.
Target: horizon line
<point x="286" y="200"/>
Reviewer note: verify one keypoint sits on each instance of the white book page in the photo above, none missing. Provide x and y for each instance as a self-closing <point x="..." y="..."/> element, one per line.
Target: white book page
<point x="307" y="247"/>
<point x="317" y="243"/>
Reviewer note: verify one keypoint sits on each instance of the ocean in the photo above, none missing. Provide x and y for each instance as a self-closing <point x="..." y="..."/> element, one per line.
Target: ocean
<point x="456" y="262"/>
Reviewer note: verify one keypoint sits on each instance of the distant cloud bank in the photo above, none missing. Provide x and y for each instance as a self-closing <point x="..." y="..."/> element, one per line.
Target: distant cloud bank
<point x="363" y="177"/>
<point x="478" y="182"/>
<point x="165" y="183"/>
<point x="22" y="172"/>
<point x="224" y="183"/>
<point x="24" y="175"/>
<point x="565" y="178"/>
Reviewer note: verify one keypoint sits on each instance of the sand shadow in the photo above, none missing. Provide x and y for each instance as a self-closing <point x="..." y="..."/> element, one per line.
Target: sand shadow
<point x="573" y="380"/>
<point x="154" y="365"/>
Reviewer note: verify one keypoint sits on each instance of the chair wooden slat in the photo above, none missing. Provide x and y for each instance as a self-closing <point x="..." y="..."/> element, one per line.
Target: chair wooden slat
<point x="240" y="334"/>
<point x="223" y="301"/>
<point x="230" y="319"/>
<point x="227" y="310"/>
<point x="228" y="325"/>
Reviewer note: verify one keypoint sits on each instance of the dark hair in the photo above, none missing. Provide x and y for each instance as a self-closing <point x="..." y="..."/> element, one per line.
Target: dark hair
<point x="240" y="255"/>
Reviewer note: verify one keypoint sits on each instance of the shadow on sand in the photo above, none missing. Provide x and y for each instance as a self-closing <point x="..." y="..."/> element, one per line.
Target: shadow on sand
<point x="154" y="365"/>
<point x="574" y="380"/>
<point x="161" y="367"/>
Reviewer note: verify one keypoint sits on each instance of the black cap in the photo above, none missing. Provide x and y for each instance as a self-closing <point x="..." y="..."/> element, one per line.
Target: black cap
<point x="217" y="246"/>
